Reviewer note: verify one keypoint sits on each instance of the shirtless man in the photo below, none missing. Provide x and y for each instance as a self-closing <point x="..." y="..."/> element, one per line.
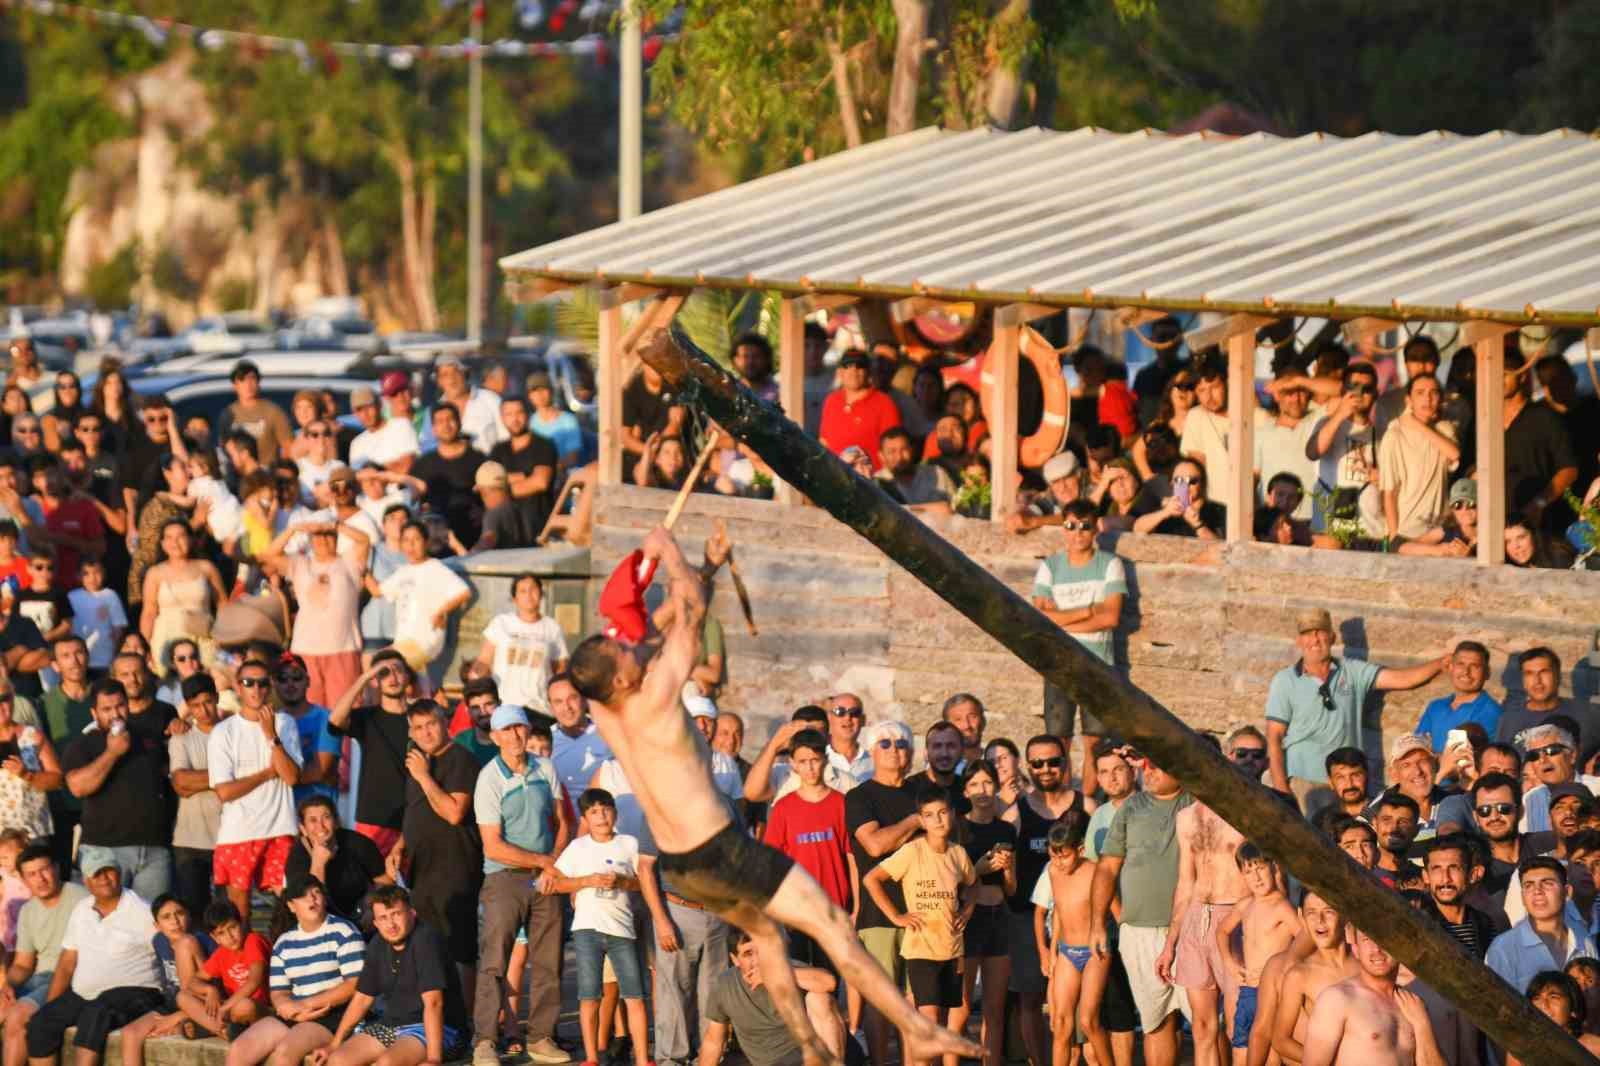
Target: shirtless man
<point x="640" y="716"/>
<point x="1209" y="884"/>
<point x="1304" y="981"/>
<point x="1365" y="1020"/>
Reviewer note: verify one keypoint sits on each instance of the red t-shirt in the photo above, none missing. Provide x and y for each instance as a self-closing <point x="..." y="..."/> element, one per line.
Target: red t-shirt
<point x="76" y="517"/>
<point x="860" y="423"/>
<point x="1118" y="407"/>
<point x="814" y="835"/>
<point x="232" y="968"/>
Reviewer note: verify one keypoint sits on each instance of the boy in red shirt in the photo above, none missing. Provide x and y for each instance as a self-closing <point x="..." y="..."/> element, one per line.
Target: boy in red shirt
<point x="239" y="966"/>
<point x="808" y="825"/>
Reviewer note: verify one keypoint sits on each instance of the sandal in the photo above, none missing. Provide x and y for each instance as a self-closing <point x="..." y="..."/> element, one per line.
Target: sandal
<point x="512" y="1043"/>
<point x="190" y="1031"/>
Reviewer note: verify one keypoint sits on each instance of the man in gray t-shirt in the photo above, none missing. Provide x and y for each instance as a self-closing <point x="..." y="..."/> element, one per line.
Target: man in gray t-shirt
<point x="41" y="928"/>
<point x="194" y="834"/>
<point x="1139" y="862"/>
<point x="740" y="1002"/>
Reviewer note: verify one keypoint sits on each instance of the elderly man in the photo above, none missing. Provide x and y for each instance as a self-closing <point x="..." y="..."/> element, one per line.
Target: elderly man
<point x="1063" y="478"/>
<point x="1316" y="706"/>
<point x="1467" y="702"/>
<point x="847" y="715"/>
<point x="1412" y="770"/>
<point x="1550" y="750"/>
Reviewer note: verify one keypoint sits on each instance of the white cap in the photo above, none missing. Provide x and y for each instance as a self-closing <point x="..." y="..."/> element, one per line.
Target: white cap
<point x="697" y="705"/>
<point x="1060" y="465"/>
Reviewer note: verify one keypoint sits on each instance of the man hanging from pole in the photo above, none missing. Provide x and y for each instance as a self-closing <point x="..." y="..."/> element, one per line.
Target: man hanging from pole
<point x="639" y="714"/>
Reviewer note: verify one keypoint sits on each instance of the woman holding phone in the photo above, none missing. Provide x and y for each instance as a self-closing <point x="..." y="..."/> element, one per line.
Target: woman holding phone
<point x="1186" y="512"/>
<point x="991" y="843"/>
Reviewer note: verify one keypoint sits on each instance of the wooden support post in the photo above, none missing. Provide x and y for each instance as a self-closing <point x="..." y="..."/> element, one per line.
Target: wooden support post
<point x="791" y="376"/>
<point x="1239" y="487"/>
<point x="1002" y="372"/>
<point x="1359" y="329"/>
<point x="978" y="595"/>
<point x="1489" y="381"/>
<point x="608" y="386"/>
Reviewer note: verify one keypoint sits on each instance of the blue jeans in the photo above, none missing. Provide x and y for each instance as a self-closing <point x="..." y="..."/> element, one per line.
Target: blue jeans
<point x="593" y="949"/>
<point x="146" y="870"/>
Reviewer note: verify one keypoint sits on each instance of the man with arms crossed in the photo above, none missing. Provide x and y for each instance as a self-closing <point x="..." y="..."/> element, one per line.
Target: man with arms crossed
<point x="701" y="850"/>
<point x="1366" y="1020"/>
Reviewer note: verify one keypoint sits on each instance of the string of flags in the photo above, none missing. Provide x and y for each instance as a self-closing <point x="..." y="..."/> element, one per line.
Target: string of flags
<point x="329" y="54"/>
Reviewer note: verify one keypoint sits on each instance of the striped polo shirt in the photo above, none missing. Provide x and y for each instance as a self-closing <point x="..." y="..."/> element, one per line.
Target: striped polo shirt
<point x="304" y="964"/>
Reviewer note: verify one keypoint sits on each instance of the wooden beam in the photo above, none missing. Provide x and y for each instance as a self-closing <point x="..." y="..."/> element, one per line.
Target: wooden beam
<point x="912" y="306"/>
<point x="523" y="290"/>
<point x="1022" y="314"/>
<point x="1239" y="480"/>
<point x="1002" y="373"/>
<point x="627" y="294"/>
<point x="1244" y="803"/>
<point x="1359" y="329"/>
<point x="608" y="386"/>
<point x="791" y="376"/>
<point x="656" y="315"/>
<point x="1479" y="330"/>
<point x="825" y="301"/>
<point x="1209" y="336"/>
<point x="1133" y="317"/>
<point x="1489" y="381"/>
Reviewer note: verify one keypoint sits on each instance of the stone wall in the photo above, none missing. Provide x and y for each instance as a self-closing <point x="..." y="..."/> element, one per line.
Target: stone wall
<point x="1206" y="627"/>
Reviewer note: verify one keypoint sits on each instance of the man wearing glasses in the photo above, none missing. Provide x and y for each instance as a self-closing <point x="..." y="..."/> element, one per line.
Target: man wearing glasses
<point x="141" y="459"/>
<point x="1314" y="707"/>
<point x="846" y="754"/>
<point x="1080" y="589"/>
<point x="253" y="759"/>
<point x="1345" y="449"/>
<point x="1550" y="749"/>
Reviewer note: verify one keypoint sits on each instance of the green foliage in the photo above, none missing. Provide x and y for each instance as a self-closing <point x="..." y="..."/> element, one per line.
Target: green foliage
<point x="235" y="294"/>
<point x="170" y="274"/>
<point x="110" y="284"/>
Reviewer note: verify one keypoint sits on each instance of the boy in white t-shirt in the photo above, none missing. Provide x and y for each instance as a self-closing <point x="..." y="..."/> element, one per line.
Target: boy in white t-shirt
<point x="97" y="615"/>
<point x="601" y="868"/>
<point x="520" y="649"/>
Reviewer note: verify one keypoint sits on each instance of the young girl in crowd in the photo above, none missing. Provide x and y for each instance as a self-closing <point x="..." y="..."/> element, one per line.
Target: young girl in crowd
<point x="13" y="890"/>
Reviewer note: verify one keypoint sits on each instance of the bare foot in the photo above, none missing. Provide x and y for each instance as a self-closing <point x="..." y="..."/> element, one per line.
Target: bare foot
<point x="926" y="1041"/>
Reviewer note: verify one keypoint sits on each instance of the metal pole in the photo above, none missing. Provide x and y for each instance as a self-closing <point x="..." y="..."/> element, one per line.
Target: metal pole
<point x="630" y="133"/>
<point x="475" y="178"/>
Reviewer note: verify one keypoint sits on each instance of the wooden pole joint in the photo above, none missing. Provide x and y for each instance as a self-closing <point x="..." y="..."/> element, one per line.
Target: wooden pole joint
<point x="1022" y="314"/>
<point x="1230" y="327"/>
<point x="1478" y="330"/>
<point x="627" y="293"/>
<point x="1359" y="329"/>
<point x="824" y="301"/>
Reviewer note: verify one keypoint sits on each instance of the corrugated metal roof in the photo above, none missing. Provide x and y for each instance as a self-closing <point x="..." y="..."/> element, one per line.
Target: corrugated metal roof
<point x="1436" y="226"/>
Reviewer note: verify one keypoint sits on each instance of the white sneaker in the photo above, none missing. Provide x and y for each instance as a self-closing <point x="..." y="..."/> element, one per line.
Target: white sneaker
<point x="484" y="1054"/>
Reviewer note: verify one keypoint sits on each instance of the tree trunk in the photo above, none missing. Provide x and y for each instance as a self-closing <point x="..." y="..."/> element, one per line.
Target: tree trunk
<point x="429" y="217"/>
<point x="1003" y="93"/>
<point x="911" y="34"/>
<point x="333" y="250"/>
<point x="848" y="116"/>
<point x="1248" y="806"/>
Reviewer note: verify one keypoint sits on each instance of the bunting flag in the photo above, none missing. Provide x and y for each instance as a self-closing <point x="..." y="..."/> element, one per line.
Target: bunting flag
<point x="328" y="55"/>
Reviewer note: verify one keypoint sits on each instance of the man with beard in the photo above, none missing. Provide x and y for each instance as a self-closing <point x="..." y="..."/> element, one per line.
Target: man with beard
<point x="1304" y="980"/>
<point x="1570" y="803"/>
<point x="529" y="461"/>
<point x="448" y="470"/>
<point x="1366" y="1020"/>
<point x="1348" y="780"/>
<point x="579" y="749"/>
<point x="481" y="697"/>
<point x="382" y="732"/>
<point x="1413" y="767"/>
<point x="965" y="712"/>
<point x="1448" y="874"/>
<point x="941" y="746"/>
<point x="1210" y="885"/>
<point x="1455" y="812"/>
<point x="1037" y="811"/>
<point x="1496" y="809"/>
<point x="924" y="487"/>
<point x="1394" y="819"/>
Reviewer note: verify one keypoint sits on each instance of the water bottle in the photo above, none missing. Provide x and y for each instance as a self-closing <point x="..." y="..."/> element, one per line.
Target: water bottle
<point x="607" y="893"/>
<point x="28" y="749"/>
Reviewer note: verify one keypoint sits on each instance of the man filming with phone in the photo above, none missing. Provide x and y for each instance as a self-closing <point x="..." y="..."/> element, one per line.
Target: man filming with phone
<point x="383" y="732"/>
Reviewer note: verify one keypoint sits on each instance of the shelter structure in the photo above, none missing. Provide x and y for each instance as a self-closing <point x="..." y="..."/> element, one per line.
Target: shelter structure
<point x="1494" y="232"/>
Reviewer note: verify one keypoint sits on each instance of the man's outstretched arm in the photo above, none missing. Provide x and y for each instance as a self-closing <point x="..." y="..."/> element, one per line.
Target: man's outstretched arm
<point x="681" y="646"/>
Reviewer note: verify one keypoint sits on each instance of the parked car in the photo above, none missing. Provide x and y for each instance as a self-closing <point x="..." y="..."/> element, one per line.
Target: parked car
<point x="336" y="361"/>
<point x="230" y="334"/>
<point x="208" y="395"/>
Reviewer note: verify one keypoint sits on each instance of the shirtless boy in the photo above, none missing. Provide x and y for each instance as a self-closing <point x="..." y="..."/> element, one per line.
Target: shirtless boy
<point x="1304" y="981"/>
<point x="1366" y="1021"/>
<point x="1068" y="961"/>
<point x="1209" y="885"/>
<point x="708" y="859"/>
<point x="1269" y="925"/>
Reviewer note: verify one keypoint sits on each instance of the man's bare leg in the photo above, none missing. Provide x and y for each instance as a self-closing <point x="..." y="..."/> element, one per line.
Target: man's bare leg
<point x="1161" y="1044"/>
<point x="1203" y="1023"/>
<point x="16" y="1032"/>
<point x="777" y="976"/>
<point x="825" y="1019"/>
<point x="801" y="904"/>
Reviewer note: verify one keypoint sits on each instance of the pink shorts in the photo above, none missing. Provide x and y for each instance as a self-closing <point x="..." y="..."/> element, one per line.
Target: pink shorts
<point x="1199" y="963"/>
<point x="329" y="677"/>
<point x="384" y="837"/>
<point x="252" y="863"/>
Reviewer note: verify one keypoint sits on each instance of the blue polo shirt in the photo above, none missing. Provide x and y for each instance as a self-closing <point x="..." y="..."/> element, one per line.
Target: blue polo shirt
<point x="523" y="805"/>
<point x="1440" y="716"/>
<point x="1518" y="955"/>
<point x="1320" y="717"/>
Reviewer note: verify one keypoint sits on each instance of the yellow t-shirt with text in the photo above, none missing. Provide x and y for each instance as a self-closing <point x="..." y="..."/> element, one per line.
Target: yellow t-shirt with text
<point x="932" y="885"/>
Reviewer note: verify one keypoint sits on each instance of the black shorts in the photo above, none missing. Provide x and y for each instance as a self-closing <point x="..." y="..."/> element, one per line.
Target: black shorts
<point x="728" y="869"/>
<point x="988" y="932"/>
<point x="934" y="982"/>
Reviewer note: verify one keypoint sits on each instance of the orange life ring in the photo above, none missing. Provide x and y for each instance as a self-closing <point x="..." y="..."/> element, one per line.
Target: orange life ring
<point x="1045" y="441"/>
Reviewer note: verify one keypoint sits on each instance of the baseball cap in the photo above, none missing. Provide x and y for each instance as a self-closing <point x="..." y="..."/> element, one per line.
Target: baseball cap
<point x="1464" y="490"/>
<point x="395" y="382"/>
<point x="1060" y="465"/>
<point x="1563" y="789"/>
<point x="341" y="473"/>
<point x="490" y="475"/>
<point x="242" y="368"/>
<point x="362" y="397"/>
<point x="536" y="381"/>
<point x="1407" y="743"/>
<point x="1313" y="618"/>
<point x="855" y="358"/>
<point x="449" y="361"/>
<point x="507" y="715"/>
<point x="697" y="705"/>
<point x="299" y="885"/>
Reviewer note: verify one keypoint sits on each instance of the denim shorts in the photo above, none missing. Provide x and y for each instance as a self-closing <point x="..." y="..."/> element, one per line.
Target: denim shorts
<point x="35" y="990"/>
<point x="592" y="949"/>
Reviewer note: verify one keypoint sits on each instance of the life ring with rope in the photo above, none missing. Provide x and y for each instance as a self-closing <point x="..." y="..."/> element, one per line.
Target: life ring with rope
<point x="1044" y="402"/>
